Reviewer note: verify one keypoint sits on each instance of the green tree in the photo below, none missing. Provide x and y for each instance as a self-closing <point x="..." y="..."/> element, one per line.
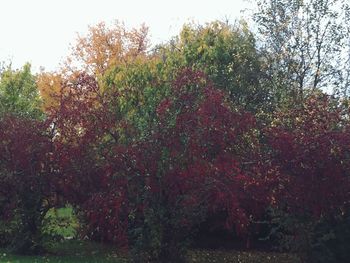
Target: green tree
<point x="141" y="85"/>
<point x="18" y="93"/>
<point x="226" y="53"/>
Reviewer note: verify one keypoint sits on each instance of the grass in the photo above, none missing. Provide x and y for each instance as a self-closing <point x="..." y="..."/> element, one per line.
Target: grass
<point x="73" y="251"/>
<point x="63" y="222"/>
<point x="229" y="256"/>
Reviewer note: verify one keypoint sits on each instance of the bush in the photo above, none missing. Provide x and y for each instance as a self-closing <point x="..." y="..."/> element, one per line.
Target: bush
<point x="60" y="224"/>
<point x="325" y="240"/>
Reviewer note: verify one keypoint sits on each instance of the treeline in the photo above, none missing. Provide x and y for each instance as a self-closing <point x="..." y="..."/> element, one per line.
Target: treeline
<point x="219" y="126"/>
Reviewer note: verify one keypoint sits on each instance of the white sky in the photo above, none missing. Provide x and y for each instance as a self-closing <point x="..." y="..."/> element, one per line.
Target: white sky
<point x="40" y="31"/>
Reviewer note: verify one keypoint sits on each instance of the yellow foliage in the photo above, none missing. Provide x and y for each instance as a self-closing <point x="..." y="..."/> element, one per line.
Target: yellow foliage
<point x="102" y="48"/>
<point x="105" y="46"/>
<point x="49" y="85"/>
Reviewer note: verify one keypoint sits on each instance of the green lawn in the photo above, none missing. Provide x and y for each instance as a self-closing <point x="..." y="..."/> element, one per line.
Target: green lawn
<point x="88" y="252"/>
<point x="69" y="252"/>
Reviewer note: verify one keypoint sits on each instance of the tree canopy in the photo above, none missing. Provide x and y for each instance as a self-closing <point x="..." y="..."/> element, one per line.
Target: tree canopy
<point x="219" y="126"/>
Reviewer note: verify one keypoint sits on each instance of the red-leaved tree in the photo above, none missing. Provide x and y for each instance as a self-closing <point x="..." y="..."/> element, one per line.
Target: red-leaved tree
<point x="27" y="176"/>
<point x="202" y="158"/>
<point x="309" y="160"/>
<point x="310" y="152"/>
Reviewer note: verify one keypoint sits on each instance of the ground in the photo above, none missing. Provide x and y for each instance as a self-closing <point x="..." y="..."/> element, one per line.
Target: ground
<point x="86" y="252"/>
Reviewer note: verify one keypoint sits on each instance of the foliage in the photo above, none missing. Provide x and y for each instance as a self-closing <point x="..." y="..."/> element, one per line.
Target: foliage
<point x="148" y="147"/>
<point x="310" y="149"/>
<point x="18" y="93"/>
<point x="106" y="46"/>
<point x="330" y="241"/>
<point x="140" y="86"/>
<point x="26" y="170"/>
<point x="190" y="166"/>
<point x="7" y="231"/>
<point x="60" y="223"/>
<point x="310" y="152"/>
<point x="102" y="48"/>
<point x="320" y="240"/>
<point x="305" y="45"/>
<point x="49" y="86"/>
<point x="226" y="53"/>
<point x="22" y="153"/>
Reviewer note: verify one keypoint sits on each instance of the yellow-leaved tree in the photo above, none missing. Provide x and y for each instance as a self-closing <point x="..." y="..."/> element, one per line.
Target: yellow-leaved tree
<point x="102" y="48"/>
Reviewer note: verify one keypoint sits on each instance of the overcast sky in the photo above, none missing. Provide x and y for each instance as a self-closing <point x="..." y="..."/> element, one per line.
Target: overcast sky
<point x="40" y="31"/>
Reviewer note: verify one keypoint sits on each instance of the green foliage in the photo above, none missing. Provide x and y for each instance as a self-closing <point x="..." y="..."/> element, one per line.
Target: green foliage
<point x="139" y="89"/>
<point x="226" y="53"/>
<point x="161" y="238"/>
<point x="18" y="93"/>
<point x="60" y="223"/>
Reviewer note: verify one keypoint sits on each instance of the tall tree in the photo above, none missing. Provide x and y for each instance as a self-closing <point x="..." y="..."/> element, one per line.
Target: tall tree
<point x="196" y="162"/>
<point x="104" y="46"/>
<point x="310" y="163"/>
<point x="50" y="85"/>
<point x="226" y="53"/>
<point x="103" y="49"/>
<point x="306" y="45"/>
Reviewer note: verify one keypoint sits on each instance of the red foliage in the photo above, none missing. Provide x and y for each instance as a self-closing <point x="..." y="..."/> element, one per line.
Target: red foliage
<point x="88" y="154"/>
<point x="202" y="157"/>
<point x="208" y="144"/>
<point x="310" y="147"/>
<point x="26" y="164"/>
<point x="81" y="122"/>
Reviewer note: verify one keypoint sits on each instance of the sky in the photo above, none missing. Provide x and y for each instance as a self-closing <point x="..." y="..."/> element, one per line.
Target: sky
<point x="40" y="31"/>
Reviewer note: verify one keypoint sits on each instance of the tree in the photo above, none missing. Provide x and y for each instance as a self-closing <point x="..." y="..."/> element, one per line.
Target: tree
<point x="226" y="53"/>
<point x="305" y="45"/>
<point x="19" y="94"/>
<point x="310" y="147"/>
<point x="98" y="52"/>
<point x="49" y="86"/>
<point x="105" y="46"/>
<point x="310" y="159"/>
<point x="24" y="160"/>
<point x="26" y="178"/>
<point x="196" y="162"/>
